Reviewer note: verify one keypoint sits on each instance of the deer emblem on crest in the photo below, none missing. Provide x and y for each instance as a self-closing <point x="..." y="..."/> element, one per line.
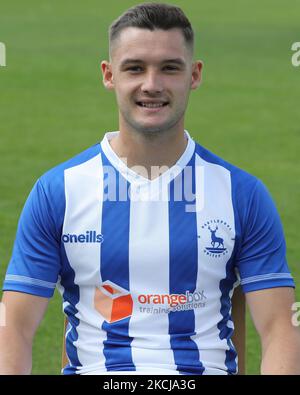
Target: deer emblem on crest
<point x="216" y="246"/>
<point x="215" y="239"/>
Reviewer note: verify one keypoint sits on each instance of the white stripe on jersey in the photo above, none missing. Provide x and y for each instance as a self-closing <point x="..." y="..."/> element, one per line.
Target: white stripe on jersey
<point x="84" y="190"/>
<point x="212" y="348"/>
<point x="150" y="275"/>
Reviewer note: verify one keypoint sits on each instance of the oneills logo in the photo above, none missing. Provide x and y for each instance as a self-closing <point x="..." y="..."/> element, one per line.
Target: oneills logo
<point x="90" y="236"/>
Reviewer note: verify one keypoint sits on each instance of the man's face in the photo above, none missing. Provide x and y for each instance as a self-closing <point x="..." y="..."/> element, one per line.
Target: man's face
<point x="152" y="74"/>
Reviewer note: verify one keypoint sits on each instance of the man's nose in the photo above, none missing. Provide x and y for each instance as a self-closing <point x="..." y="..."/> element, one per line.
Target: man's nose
<point x="152" y="83"/>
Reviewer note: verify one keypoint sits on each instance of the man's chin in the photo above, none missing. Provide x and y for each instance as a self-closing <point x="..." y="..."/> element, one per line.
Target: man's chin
<point x="152" y="129"/>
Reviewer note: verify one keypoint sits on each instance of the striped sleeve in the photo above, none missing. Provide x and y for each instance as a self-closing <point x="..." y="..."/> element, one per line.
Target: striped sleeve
<point x="35" y="261"/>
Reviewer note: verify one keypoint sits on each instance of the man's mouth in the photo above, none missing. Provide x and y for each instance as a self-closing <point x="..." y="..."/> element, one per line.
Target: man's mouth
<point x="152" y="104"/>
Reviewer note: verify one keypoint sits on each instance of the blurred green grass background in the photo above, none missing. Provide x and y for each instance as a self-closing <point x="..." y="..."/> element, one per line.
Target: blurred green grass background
<point x="53" y="105"/>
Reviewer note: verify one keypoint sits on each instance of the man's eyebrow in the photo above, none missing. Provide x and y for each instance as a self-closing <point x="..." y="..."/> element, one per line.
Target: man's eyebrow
<point x="130" y="61"/>
<point x="177" y="61"/>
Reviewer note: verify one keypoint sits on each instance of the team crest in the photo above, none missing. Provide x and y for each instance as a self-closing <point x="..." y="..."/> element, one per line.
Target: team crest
<point x="216" y="231"/>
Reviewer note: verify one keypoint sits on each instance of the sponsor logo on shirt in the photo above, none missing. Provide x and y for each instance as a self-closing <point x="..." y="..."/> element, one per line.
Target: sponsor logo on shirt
<point x="115" y="303"/>
<point x="166" y="303"/>
<point x="90" y="236"/>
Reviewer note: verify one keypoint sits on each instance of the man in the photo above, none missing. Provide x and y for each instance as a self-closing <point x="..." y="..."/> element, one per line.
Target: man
<point x="146" y="234"/>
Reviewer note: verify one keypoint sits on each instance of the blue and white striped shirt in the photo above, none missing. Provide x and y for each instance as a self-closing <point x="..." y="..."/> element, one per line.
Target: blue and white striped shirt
<point x="146" y="268"/>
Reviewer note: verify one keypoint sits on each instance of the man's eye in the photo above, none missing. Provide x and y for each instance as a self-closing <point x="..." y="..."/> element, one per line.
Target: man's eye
<point x="171" y="68"/>
<point x="134" y="69"/>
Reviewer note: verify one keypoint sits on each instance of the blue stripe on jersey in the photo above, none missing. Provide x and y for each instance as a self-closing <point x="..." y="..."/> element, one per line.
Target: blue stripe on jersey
<point x="71" y="296"/>
<point x="115" y="268"/>
<point x="183" y="277"/>
<point x="226" y="332"/>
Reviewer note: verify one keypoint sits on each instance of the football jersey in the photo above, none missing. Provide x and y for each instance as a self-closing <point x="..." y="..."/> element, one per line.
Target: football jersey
<point x="147" y="268"/>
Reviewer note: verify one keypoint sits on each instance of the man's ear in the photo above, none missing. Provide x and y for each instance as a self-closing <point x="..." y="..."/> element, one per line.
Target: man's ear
<point x="196" y="74"/>
<point x="108" y="80"/>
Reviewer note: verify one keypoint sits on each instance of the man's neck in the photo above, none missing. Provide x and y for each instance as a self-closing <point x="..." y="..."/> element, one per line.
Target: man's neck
<point x="153" y="153"/>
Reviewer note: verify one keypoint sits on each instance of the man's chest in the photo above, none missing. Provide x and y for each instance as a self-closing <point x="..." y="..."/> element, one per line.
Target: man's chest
<point x="142" y="242"/>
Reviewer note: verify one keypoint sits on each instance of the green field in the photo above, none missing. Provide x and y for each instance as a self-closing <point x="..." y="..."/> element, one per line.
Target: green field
<point x="53" y="105"/>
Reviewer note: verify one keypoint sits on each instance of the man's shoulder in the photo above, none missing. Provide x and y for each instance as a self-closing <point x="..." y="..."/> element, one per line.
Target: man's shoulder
<point x="76" y="160"/>
<point x="238" y="176"/>
<point x="54" y="177"/>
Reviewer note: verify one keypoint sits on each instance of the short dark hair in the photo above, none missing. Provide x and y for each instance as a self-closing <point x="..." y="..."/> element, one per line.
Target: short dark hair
<point x="153" y="16"/>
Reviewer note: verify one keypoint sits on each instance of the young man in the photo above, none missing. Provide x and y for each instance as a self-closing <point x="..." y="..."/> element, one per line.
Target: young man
<point x="146" y="233"/>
